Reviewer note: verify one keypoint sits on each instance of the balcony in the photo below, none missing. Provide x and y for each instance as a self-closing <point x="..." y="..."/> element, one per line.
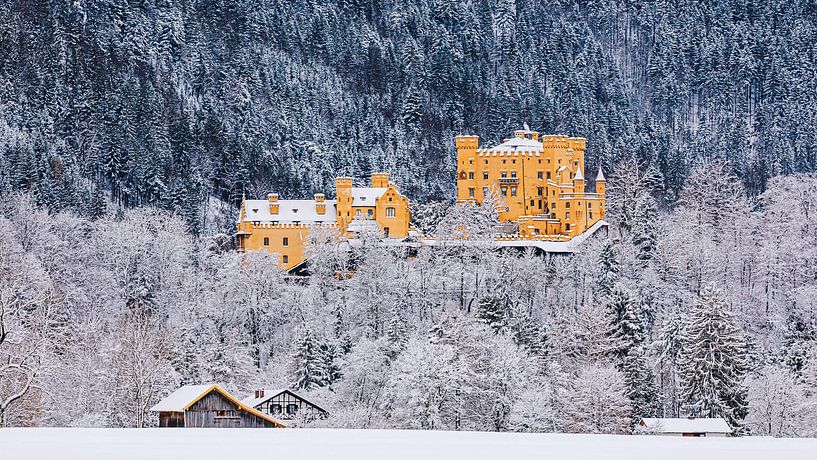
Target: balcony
<point x="508" y="181"/>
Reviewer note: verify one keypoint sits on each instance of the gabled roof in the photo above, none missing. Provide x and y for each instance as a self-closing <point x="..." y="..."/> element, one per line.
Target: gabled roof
<point x="290" y="211"/>
<point x="686" y="425"/>
<point x="366" y="196"/>
<point x="183" y="398"/>
<point x="255" y="402"/>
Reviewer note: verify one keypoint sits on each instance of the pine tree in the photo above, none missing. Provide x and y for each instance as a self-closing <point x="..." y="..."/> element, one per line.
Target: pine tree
<point x="711" y="365"/>
<point x="639" y="381"/>
<point x="396" y="334"/>
<point x="309" y="363"/>
<point x="644" y="235"/>
<point x="627" y="330"/>
<point x="609" y="268"/>
<point x="493" y="311"/>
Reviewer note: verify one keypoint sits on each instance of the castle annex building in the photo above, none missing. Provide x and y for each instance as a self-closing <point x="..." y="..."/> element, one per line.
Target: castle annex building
<point x="284" y="226"/>
<point x="539" y="182"/>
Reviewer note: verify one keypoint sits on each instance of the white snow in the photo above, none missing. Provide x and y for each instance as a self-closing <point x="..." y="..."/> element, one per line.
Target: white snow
<point x="252" y="401"/>
<point x="366" y="196"/>
<point x="324" y="444"/>
<point x="179" y="399"/>
<point x="685" y="425"/>
<point x="290" y="211"/>
<point x="518" y="144"/>
<point x="600" y="176"/>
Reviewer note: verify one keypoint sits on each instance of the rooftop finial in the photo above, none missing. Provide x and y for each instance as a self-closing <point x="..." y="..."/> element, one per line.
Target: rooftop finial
<point x="527" y="128"/>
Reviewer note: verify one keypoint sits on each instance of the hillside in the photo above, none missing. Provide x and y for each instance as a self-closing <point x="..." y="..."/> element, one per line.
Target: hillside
<point x="166" y="103"/>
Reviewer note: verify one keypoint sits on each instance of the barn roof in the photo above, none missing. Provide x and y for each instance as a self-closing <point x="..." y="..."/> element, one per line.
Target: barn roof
<point x="686" y="425"/>
<point x="254" y="402"/>
<point x="181" y="400"/>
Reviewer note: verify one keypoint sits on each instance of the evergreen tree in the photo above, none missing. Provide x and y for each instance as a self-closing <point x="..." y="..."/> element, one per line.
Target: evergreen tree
<point x="627" y="331"/>
<point x="396" y="334"/>
<point x="711" y="364"/>
<point x="309" y="363"/>
<point x="644" y="232"/>
<point x="493" y="311"/>
<point x="609" y="268"/>
<point x="639" y="381"/>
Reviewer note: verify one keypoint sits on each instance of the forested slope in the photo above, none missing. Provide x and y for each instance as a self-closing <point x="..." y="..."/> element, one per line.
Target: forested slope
<point x="168" y="102"/>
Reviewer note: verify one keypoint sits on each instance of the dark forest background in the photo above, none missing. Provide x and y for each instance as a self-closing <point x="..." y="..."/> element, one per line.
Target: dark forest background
<point x="169" y="103"/>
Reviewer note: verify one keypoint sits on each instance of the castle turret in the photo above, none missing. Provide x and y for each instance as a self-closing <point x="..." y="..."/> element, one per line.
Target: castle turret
<point x="578" y="182"/>
<point x="466" y="159"/>
<point x="343" y="193"/>
<point x="272" y="198"/>
<point x="380" y="180"/>
<point x="601" y="183"/>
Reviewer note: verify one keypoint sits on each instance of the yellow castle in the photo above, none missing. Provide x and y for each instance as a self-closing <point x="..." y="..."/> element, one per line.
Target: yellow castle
<point x="283" y="226"/>
<point x="539" y="182"/>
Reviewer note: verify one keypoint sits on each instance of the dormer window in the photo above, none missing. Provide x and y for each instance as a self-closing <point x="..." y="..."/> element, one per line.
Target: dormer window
<point x="254" y="209"/>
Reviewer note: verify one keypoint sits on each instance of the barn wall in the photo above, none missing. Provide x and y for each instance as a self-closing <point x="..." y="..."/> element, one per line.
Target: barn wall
<point x="216" y="411"/>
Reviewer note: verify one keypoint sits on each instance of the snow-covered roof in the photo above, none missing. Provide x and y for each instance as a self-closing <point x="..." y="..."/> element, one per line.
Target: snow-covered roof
<point x="366" y="196"/>
<point x="578" y="175"/>
<point x="181" y="398"/>
<point x="252" y="401"/>
<point x="518" y="144"/>
<point x="600" y="176"/>
<point x="360" y="225"/>
<point x="686" y="425"/>
<point x="290" y="211"/>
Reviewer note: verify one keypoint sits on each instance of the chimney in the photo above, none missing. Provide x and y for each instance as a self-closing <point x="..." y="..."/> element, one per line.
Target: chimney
<point x="272" y="198"/>
<point x="320" y="204"/>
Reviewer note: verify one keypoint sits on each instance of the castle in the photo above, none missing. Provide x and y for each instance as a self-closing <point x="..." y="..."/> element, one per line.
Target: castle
<point x="283" y="226"/>
<point x="539" y="183"/>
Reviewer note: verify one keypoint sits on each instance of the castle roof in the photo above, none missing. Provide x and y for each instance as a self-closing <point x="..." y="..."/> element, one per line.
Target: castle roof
<point x="290" y="211"/>
<point x="366" y="196"/>
<point x="600" y="176"/>
<point x="518" y="144"/>
<point x="578" y="175"/>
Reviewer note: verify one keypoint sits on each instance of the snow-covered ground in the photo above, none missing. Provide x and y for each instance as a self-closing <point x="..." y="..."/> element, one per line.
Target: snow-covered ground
<point x="125" y="444"/>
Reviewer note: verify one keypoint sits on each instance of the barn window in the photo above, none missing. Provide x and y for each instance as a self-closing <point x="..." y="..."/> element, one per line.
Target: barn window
<point x="292" y="409"/>
<point x="276" y="409"/>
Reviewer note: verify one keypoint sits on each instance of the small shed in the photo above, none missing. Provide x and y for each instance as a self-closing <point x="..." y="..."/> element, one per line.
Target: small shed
<point x="209" y="406"/>
<point x="689" y="427"/>
<point x="285" y="404"/>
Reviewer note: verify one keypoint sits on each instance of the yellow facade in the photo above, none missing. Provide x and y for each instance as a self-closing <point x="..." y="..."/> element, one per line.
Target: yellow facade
<point x="283" y="227"/>
<point x="539" y="182"/>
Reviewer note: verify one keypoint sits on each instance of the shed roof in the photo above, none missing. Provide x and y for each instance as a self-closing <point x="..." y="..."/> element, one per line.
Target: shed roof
<point x="183" y="398"/>
<point x="686" y="425"/>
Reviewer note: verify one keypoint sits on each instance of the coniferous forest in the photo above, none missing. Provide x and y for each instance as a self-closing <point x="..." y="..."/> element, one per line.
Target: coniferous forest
<point x="130" y="130"/>
<point x="171" y="102"/>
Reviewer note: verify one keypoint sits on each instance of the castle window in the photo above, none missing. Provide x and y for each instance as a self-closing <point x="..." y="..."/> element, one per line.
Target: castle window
<point x="471" y="161"/>
<point x="539" y="191"/>
<point x="540" y="204"/>
<point x="390" y="211"/>
<point x="485" y="191"/>
<point x="513" y="161"/>
<point x="532" y="203"/>
<point x="567" y="205"/>
<point x="286" y="259"/>
<point x="590" y="215"/>
<point x="513" y="191"/>
<point x="548" y="175"/>
<point x="567" y="227"/>
<point x="386" y="232"/>
<point x="357" y="212"/>
<point x="513" y="174"/>
<point x="266" y="241"/>
<point x="539" y="175"/>
<point x="370" y="213"/>
<point x="567" y="215"/>
<point x="505" y="191"/>
<point x="470" y="192"/>
<point x="540" y="161"/>
<point x="503" y="161"/>
<point x="471" y="175"/>
<point x="485" y="175"/>
<point x="286" y="241"/>
<point x="504" y="174"/>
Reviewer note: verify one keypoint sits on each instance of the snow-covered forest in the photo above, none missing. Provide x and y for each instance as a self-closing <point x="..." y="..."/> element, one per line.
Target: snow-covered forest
<point x="708" y="309"/>
<point x="170" y="102"/>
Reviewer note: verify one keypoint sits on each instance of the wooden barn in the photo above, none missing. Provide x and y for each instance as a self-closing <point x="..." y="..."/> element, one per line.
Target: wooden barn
<point x="209" y="406"/>
<point x="285" y="404"/>
<point x="687" y="427"/>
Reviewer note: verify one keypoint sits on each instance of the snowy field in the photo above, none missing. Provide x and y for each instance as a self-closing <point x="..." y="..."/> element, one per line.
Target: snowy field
<point x="125" y="444"/>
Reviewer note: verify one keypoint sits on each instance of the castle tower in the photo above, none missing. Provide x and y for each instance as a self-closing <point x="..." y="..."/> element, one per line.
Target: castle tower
<point x="380" y="180"/>
<point x="343" y="193"/>
<point x="466" y="164"/>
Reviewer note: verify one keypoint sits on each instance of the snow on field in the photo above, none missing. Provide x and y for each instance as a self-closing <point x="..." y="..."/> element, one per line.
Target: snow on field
<point x="179" y="443"/>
